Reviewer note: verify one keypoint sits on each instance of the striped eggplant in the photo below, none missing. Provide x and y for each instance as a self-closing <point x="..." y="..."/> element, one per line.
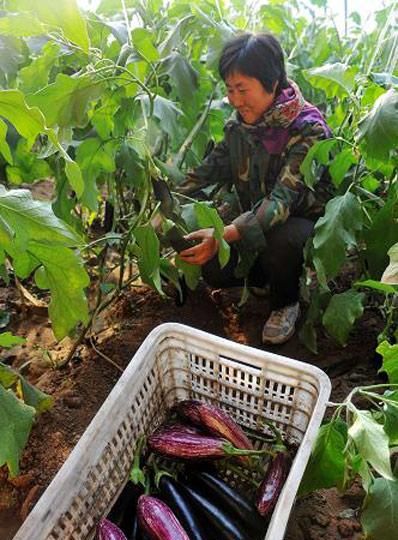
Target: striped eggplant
<point x="179" y="441"/>
<point x="214" y="420"/>
<point x="272" y="484"/>
<point x="157" y="520"/>
<point x="109" y="531"/>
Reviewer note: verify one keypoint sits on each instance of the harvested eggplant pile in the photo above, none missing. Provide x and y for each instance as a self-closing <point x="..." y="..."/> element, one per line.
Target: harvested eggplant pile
<point x="186" y="480"/>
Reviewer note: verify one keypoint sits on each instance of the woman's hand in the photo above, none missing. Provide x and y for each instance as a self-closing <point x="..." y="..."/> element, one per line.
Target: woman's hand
<point x="208" y="246"/>
<point x="204" y="250"/>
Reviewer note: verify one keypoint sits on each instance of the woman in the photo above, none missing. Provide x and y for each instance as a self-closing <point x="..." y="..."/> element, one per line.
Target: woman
<point x="259" y="160"/>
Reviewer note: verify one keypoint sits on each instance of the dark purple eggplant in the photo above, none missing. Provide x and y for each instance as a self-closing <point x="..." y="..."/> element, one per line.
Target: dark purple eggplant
<point x="109" y="531"/>
<point x="222" y="525"/>
<point x="272" y="484"/>
<point x="157" y="520"/>
<point x="214" y="420"/>
<point x="228" y="498"/>
<point x="123" y="512"/>
<point x="174" y="494"/>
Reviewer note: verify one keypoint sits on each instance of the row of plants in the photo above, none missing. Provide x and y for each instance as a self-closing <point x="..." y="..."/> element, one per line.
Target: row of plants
<point x="108" y="105"/>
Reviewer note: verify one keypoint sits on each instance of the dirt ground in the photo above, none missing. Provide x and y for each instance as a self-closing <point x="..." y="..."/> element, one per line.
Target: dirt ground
<point x="323" y="515"/>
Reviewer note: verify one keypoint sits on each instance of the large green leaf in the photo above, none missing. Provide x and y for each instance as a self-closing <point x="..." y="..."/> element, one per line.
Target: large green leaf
<point x="336" y="80"/>
<point x="149" y="258"/>
<point x="342" y="312"/>
<point x="65" y="276"/>
<point x="341" y="165"/>
<point x="21" y="25"/>
<point x="28" y="121"/>
<point x="34" y="237"/>
<point x="166" y="112"/>
<point x="64" y="16"/>
<point x="371" y="442"/>
<point x="326" y="466"/>
<point x="390" y="360"/>
<point x="65" y="102"/>
<point x="334" y="233"/>
<point x="143" y="42"/>
<point x="26" y="167"/>
<point x="379" y="129"/>
<point x="319" y="152"/>
<point x="390" y="410"/>
<point x="35" y="76"/>
<point x="390" y="274"/>
<point x="16" y="421"/>
<point x="4" y="148"/>
<point x="209" y="217"/>
<point x="381" y="235"/>
<point x="10" y="56"/>
<point x="183" y="76"/>
<point x="380" y="515"/>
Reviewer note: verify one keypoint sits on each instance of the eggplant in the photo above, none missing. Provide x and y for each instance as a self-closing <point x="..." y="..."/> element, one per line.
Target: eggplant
<point x="123" y="513"/>
<point x="177" y="440"/>
<point x="272" y="484"/>
<point x="214" y="420"/>
<point x="174" y="494"/>
<point x="157" y="520"/>
<point x="109" y="531"/>
<point x="228" y="498"/>
<point x="221" y="523"/>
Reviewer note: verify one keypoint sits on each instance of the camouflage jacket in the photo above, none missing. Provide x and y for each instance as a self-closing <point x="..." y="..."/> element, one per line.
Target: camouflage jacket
<point x="261" y="164"/>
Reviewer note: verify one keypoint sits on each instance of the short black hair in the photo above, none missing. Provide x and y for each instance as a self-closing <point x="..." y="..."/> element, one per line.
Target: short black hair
<point x="255" y="55"/>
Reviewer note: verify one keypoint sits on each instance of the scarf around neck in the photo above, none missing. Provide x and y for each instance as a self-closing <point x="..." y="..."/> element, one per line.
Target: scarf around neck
<point x="289" y="112"/>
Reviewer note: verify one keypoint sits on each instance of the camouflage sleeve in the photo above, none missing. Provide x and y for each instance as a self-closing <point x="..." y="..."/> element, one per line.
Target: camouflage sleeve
<point x="215" y="169"/>
<point x="287" y="192"/>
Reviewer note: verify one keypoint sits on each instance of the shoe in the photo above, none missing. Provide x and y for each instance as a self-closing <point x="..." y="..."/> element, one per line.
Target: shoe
<point x="280" y="325"/>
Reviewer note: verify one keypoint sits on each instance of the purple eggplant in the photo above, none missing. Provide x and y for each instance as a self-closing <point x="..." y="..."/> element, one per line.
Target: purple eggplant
<point x="157" y="520"/>
<point x="214" y="420"/>
<point x="272" y="484"/>
<point x="179" y="441"/>
<point x="109" y="531"/>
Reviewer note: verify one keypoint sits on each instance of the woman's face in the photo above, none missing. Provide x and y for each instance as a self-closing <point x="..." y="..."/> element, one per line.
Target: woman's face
<point x="248" y="96"/>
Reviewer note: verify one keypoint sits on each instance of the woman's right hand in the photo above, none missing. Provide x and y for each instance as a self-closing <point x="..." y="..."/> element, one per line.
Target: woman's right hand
<point x="205" y="250"/>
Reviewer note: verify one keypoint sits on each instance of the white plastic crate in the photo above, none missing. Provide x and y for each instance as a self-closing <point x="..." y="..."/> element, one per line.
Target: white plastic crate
<point x="178" y="362"/>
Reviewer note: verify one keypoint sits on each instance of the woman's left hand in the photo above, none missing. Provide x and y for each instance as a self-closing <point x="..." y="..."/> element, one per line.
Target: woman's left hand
<point x="203" y="251"/>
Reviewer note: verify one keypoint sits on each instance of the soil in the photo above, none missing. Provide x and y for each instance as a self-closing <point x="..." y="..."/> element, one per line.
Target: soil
<point x="80" y="386"/>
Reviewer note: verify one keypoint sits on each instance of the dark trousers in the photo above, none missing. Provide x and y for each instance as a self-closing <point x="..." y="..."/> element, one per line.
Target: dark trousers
<point x="279" y="265"/>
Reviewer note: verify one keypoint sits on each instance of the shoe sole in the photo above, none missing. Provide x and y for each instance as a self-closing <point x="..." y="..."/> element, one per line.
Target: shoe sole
<point x="278" y="340"/>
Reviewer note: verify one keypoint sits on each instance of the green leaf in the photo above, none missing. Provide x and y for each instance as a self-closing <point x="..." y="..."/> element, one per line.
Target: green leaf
<point x="319" y="152"/>
<point x="4" y="148"/>
<point x="192" y="272"/>
<point x="379" y="518"/>
<point x="74" y="175"/>
<point x="336" y="80"/>
<point x="35" y="76"/>
<point x="16" y="421"/>
<point x="27" y="166"/>
<point x="377" y="286"/>
<point x="378" y="130"/>
<point x="28" y="121"/>
<point x="27" y="218"/>
<point x="371" y="442"/>
<point x="8" y="340"/>
<point x="390" y="274"/>
<point x="334" y="232"/>
<point x="33" y="396"/>
<point x="209" y="217"/>
<point x="67" y="280"/>
<point x="143" y="42"/>
<point x="21" y="25"/>
<point x="65" y="102"/>
<point x="183" y="76"/>
<point x="341" y="164"/>
<point x="10" y="56"/>
<point x="381" y="236"/>
<point x="326" y="465"/>
<point x="149" y="259"/>
<point x="391" y="417"/>
<point x="342" y="312"/>
<point x="390" y="360"/>
<point x="167" y="114"/>
<point x="8" y="377"/>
